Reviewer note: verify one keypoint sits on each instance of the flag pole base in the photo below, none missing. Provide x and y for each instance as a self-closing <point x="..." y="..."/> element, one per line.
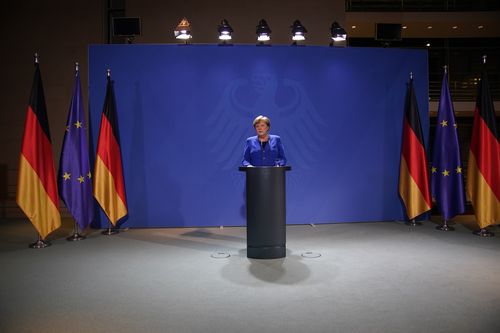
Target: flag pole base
<point x="413" y="223"/>
<point x="40" y="244"/>
<point x="110" y="231"/>
<point x="75" y="237"/>
<point x="483" y="233"/>
<point x="445" y="227"/>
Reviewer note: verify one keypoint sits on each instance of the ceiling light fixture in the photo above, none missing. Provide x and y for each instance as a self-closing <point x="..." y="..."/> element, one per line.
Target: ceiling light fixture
<point x="298" y="32"/>
<point x="183" y="30"/>
<point x="338" y="33"/>
<point x="263" y="32"/>
<point x="225" y="31"/>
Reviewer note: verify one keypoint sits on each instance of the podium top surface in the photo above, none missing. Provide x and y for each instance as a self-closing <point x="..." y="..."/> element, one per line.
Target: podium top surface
<point x="286" y="167"/>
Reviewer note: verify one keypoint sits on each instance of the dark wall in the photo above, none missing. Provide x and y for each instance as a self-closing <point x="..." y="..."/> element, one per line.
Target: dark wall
<point x="60" y="31"/>
<point x="161" y="17"/>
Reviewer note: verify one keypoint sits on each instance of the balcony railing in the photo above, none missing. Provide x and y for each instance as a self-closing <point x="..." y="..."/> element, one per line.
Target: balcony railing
<point x="463" y="58"/>
<point x="462" y="90"/>
<point x="420" y="5"/>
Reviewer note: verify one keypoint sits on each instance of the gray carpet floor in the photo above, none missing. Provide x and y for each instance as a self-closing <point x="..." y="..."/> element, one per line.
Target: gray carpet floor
<point x="370" y="277"/>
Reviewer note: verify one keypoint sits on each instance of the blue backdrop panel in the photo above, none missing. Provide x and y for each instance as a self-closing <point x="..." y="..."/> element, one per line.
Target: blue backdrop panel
<point x="184" y="113"/>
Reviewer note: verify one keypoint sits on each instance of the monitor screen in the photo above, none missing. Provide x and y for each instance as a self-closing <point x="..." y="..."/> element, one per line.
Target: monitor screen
<point x="126" y="26"/>
<point x="388" y="31"/>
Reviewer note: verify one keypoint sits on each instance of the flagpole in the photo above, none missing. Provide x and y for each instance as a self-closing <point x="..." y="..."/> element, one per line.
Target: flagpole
<point x="445" y="226"/>
<point x="76" y="236"/>
<point x="40" y="243"/>
<point x="111" y="230"/>
<point x="412" y="147"/>
<point x="412" y="222"/>
<point x="483" y="232"/>
<point x="102" y="192"/>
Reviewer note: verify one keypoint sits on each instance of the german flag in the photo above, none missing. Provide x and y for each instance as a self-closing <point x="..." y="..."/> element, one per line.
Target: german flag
<point x="109" y="186"/>
<point x="36" y="184"/>
<point x="483" y="174"/>
<point x="413" y="175"/>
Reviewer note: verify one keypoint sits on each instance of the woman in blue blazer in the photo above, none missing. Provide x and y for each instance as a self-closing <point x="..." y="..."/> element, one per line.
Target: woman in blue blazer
<point x="264" y="149"/>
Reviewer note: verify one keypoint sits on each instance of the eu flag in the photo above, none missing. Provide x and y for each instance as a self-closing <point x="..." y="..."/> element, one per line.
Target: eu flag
<point x="75" y="178"/>
<point x="447" y="184"/>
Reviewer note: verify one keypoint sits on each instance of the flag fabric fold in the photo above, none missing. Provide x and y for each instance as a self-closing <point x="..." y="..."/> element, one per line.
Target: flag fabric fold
<point x="109" y="185"/>
<point x="75" y="177"/>
<point x="483" y="169"/>
<point x="447" y="185"/>
<point x="413" y="175"/>
<point x="36" y="193"/>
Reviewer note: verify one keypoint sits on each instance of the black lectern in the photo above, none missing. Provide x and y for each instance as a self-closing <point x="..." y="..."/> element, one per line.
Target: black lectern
<point x="266" y="212"/>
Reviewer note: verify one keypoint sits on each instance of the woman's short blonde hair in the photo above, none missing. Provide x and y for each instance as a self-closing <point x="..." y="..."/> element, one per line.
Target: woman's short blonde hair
<point x="263" y="119"/>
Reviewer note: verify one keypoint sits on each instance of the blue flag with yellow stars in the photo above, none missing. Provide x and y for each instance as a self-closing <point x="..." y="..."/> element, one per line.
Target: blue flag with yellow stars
<point x="75" y="178"/>
<point x="447" y="185"/>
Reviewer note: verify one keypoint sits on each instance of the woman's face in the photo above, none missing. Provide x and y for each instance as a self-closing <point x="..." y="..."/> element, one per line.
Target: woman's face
<point x="261" y="128"/>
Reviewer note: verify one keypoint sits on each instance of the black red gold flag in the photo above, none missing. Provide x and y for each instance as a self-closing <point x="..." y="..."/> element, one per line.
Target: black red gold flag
<point x="483" y="170"/>
<point x="36" y="184"/>
<point x="109" y="185"/>
<point x="413" y="174"/>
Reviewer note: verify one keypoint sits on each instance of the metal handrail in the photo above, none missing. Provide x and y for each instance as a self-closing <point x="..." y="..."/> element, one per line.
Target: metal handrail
<point x="462" y="90"/>
<point x="420" y="5"/>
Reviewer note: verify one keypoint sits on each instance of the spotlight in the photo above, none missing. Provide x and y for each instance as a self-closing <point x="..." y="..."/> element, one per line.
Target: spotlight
<point x="224" y="30"/>
<point x="183" y="30"/>
<point x="298" y="31"/>
<point x="338" y="33"/>
<point x="263" y="31"/>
